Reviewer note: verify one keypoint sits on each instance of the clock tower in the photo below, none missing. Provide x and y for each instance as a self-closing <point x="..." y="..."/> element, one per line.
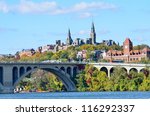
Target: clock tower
<point x="127" y="46"/>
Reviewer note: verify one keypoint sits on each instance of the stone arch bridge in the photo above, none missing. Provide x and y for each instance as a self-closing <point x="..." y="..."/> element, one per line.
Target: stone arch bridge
<point x="109" y="67"/>
<point x="12" y="73"/>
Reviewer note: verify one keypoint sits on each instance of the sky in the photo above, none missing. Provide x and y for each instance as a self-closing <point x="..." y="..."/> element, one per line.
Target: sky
<point x="26" y="24"/>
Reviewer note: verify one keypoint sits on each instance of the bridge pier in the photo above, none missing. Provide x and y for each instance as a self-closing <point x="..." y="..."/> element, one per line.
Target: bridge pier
<point x="109" y="74"/>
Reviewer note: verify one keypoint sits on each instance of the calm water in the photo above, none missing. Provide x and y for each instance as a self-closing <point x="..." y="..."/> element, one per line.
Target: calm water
<point x="78" y="95"/>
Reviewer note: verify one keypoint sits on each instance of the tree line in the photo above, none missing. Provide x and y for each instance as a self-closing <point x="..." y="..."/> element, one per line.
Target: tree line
<point x="91" y="79"/>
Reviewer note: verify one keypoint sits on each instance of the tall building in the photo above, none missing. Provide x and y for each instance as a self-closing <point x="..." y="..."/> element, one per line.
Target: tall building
<point x="69" y="39"/>
<point x="93" y="34"/>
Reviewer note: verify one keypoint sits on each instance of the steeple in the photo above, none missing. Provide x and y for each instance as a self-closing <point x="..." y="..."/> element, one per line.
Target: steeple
<point x="93" y="28"/>
<point x="69" y="39"/>
<point x="93" y="34"/>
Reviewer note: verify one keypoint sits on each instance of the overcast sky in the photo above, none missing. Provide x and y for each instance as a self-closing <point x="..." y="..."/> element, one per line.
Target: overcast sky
<point x="31" y="23"/>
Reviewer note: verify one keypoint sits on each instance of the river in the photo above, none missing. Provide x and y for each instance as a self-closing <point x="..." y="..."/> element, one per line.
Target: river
<point x="78" y="95"/>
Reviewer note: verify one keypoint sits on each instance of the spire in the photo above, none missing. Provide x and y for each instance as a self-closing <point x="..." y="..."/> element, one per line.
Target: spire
<point x="69" y="39"/>
<point x="93" y="28"/>
<point x="93" y="34"/>
<point x="69" y="33"/>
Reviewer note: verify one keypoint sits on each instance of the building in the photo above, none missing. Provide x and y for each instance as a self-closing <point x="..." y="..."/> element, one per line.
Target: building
<point x="97" y="55"/>
<point x="27" y="52"/>
<point x="81" y="55"/>
<point x="128" y="54"/>
<point x="108" y="42"/>
<point x="58" y="42"/>
<point x="88" y="41"/>
<point x="63" y="47"/>
<point x="47" y="48"/>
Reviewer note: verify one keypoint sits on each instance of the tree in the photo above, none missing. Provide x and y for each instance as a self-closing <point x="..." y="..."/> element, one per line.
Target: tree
<point x="55" y="57"/>
<point x="63" y="54"/>
<point x="41" y="81"/>
<point x="139" y="47"/>
<point x="145" y="85"/>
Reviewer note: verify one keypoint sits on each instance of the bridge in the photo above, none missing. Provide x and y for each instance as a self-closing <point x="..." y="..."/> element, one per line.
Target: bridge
<point x="12" y="73"/>
<point x="128" y="67"/>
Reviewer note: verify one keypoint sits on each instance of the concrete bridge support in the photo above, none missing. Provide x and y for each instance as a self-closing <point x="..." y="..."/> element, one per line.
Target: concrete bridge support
<point x="7" y="86"/>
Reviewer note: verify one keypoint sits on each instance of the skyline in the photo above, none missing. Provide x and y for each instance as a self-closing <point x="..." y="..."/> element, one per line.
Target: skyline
<point x="33" y="23"/>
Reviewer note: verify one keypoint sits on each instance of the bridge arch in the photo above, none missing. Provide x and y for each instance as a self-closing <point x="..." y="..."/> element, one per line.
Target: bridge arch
<point x="61" y="75"/>
<point x="15" y="74"/>
<point x="28" y="68"/>
<point x="133" y="69"/>
<point x="63" y="69"/>
<point x="69" y="70"/>
<point x="112" y="70"/>
<point x="75" y="71"/>
<point x="35" y="67"/>
<point x="21" y="71"/>
<point x="145" y="71"/>
<point x="104" y="69"/>
<point x="142" y="70"/>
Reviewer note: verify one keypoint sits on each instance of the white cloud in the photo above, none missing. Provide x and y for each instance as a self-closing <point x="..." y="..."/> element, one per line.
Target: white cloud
<point x="46" y="7"/>
<point x="82" y="32"/>
<point x="86" y="15"/>
<point x="32" y="7"/>
<point x="4" y="7"/>
<point x="93" y="5"/>
<point x="84" y="6"/>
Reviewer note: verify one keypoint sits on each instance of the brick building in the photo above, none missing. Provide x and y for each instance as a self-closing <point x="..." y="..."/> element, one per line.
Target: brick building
<point x="27" y="52"/>
<point x="128" y="54"/>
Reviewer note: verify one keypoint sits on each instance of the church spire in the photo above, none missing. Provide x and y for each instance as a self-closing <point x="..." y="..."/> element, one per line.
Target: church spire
<point x="93" y="34"/>
<point x="69" y="33"/>
<point x="93" y="28"/>
<point x="69" y="39"/>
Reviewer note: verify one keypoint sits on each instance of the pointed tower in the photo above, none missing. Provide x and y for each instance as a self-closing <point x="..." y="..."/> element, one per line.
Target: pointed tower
<point x="93" y="34"/>
<point x="69" y="39"/>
